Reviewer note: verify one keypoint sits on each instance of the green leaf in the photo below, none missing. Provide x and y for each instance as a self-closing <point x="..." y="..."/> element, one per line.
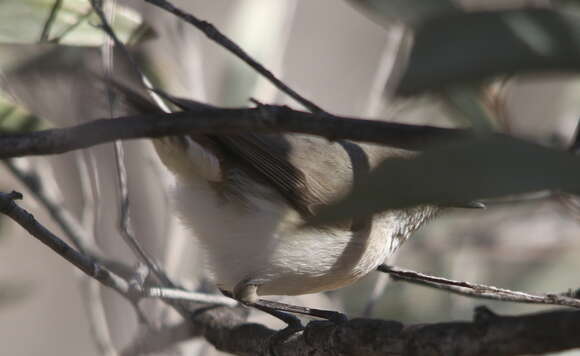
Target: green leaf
<point x="406" y="11"/>
<point x="467" y="48"/>
<point x="23" y="21"/>
<point x="487" y="167"/>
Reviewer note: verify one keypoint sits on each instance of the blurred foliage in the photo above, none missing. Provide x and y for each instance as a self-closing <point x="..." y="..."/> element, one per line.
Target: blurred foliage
<point x="474" y="46"/>
<point x="14" y="118"/>
<point x="406" y="11"/>
<point x="25" y="21"/>
<point x="485" y="167"/>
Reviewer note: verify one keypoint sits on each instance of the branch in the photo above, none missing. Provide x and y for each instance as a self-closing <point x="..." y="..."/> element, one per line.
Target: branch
<point x="264" y="119"/>
<point x="122" y="175"/>
<point x="215" y="35"/>
<point x="489" y="334"/>
<point x="92" y="267"/>
<point x="82" y="262"/>
<point x="50" y="20"/>
<point x="226" y="329"/>
<point x="71" y="227"/>
<point x="477" y="290"/>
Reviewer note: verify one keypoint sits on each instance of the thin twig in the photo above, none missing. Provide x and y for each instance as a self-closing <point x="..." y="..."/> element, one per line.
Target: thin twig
<point x="477" y="290"/>
<point x="71" y="27"/>
<point x="73" y="230"/>
<point x="96" y="316"/>
<point x="82" y="262"/>
<point x="50" y="20"/>
<point x="183" y="295"/>
<point x="81" y="239"/>
<point x="214" y="34"/>
<point x="124" y="219"/>
<point x="92" y="267"/>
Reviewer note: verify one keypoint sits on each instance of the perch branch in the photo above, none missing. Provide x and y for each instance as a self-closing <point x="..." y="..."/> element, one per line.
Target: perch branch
<point x="265" y="119"/>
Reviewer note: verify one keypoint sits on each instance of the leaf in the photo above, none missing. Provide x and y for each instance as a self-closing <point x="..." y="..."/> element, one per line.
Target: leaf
<point x="22" y="21"/>
<point x="487" y="167"/>
<point x="469" y="47"/>
<point x="406" y="11"/>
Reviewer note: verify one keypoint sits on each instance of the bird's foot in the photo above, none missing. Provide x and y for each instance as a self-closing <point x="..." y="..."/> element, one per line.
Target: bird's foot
<point x="247" y="295"/>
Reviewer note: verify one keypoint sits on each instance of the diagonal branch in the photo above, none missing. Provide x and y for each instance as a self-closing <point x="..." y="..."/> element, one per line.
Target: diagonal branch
<point x="478" y="290"/>
<point x="50" y="20"/>
<point x="41" y="233"/>
<point x="122" y="175"/>
<point x="215" y="35"/>
<point x="70" y="226"/>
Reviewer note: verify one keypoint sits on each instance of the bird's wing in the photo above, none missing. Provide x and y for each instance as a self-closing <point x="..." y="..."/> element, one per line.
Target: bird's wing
<point x="268" y="156"/>
<point x="307" y="171"/>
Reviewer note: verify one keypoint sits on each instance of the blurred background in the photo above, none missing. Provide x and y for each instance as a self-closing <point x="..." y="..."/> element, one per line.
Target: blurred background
<point x="328" y="51"/>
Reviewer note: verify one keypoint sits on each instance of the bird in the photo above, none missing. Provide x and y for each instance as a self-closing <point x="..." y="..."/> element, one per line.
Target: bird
<point x="247" y="197"/>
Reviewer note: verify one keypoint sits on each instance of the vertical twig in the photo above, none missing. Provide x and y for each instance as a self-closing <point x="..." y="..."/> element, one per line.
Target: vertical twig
<point x="71" y="27"/>
<point x="124" y="220"/>
<point x="96" y="315"/>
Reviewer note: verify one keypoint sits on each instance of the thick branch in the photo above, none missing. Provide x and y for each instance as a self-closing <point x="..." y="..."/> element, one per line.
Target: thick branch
<point x="264" y="119"/>
<point x="489" y="335"/>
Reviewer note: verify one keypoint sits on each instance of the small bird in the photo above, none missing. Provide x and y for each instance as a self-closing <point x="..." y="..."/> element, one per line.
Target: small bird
<point x="246" y="198"/>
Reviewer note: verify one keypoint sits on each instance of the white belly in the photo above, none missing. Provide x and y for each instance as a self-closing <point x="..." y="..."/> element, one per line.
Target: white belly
<point x="257" y="242"/>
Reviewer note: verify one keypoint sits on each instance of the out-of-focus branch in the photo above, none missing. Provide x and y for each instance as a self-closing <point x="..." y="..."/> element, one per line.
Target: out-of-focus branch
<point x="264" y="119"/>
<point x="79" y="260"/>
<point x="215" y="35"/>
<point x="478" y="290"/>
<point x="70" y="226"/>
<point x="50" y="20"/>
<point x="124" y="202"/>
<point x="82" y="240"/>
<point x="100" y="332"/>
<point x="91" y="266"/>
